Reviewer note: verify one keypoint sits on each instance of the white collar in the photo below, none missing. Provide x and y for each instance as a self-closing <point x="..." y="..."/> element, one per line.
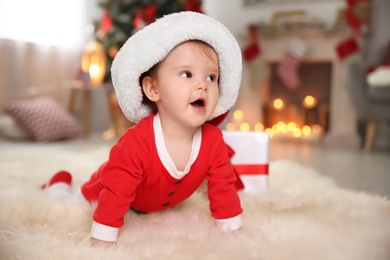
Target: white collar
<point x="163" y="152"/>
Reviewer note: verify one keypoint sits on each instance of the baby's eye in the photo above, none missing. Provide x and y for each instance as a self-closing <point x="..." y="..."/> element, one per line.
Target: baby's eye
<point x="211" y="78"/>
<point x="186" y="74"/>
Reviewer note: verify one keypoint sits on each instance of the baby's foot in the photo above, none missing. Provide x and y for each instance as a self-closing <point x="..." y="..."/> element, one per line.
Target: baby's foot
<point x="58" y="187"/>
<point x="61" y="177"/>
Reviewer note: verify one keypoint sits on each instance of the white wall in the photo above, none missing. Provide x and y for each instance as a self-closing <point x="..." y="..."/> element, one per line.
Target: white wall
<point x="236" y="17"/>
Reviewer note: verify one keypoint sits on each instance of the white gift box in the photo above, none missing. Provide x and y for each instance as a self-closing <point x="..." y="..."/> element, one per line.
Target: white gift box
<point x="251" y="158"/>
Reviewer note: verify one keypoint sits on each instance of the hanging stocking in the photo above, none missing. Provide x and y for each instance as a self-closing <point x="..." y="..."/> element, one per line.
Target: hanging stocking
<point x="252" y="50"/>
<point x="288" y="67"/>
<point x="259" y="70"/>
<point x="346" y="48"/>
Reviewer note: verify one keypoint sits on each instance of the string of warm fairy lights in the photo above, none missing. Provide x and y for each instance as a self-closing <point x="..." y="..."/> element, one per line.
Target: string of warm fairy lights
<point x="281" y="129"/>
<point x="243" y="126"/>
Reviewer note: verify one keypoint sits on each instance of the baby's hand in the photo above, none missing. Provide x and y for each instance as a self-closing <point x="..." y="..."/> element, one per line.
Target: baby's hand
<point x="101" y="243"/>
<point x="229" y="224"/>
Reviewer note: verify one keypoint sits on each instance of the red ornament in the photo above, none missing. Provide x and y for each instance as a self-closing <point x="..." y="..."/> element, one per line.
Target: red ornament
<point x="194" y="6"/>
<point x="106" y="22"/>
<point x="150" y="13"/>
<point x="113" y="51"/>
<point x="138" y="19"/>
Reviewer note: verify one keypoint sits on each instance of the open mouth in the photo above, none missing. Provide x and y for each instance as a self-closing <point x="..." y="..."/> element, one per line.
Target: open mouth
<point x="198" y="103"/>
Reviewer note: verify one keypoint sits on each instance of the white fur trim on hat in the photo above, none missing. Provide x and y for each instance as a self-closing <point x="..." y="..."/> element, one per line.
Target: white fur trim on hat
<point x="153" y="43"/>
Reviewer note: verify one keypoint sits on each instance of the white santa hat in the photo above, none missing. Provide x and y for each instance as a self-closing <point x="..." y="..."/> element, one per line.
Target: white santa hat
<point x="153" y="43"/>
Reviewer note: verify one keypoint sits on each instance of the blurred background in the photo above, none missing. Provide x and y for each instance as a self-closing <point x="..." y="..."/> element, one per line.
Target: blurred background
<point x="314" y="70"/>
<point x="316" y="77"/>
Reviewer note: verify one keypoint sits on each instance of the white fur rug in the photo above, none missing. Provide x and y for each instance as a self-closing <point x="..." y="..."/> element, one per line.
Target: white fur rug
<point x="304" y="216"/>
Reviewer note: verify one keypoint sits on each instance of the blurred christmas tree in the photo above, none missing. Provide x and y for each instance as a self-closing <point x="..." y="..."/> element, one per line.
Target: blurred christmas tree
<point x="122" y="18"/>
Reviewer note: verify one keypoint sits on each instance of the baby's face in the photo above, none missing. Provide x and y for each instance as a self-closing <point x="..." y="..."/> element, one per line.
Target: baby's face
<point x="187" y="84"/>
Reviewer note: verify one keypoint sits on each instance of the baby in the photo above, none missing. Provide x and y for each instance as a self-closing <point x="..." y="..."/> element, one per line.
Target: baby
<point x="171" y="78"/>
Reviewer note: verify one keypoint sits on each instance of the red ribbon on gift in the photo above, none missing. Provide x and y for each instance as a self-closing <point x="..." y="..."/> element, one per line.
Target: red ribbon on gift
<point x="251" y="169"/>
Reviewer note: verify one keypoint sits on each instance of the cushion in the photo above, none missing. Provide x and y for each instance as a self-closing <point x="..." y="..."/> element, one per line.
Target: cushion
<point x="379" y="77"/>
<point x="44" y="119"/>
<point x="10" y="129"/>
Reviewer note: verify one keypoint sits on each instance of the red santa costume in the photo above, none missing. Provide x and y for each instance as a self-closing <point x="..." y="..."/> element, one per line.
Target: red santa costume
<point x="139" y="173"/>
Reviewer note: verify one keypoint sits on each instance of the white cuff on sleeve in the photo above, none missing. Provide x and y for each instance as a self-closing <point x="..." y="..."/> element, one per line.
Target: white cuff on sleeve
<point x="103" y="232"/>
<point x="229" y="224"/>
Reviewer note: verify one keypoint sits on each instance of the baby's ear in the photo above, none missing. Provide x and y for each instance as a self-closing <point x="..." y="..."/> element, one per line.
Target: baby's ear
<point x="150" y="89"/>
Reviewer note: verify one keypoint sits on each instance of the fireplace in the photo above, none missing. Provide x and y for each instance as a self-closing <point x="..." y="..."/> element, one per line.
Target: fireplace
<point x="322" y="74"/>
<point x="308" y="105"/>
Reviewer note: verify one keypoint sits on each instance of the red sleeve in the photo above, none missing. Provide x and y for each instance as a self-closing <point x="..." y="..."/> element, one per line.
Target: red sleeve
<point x="223" y="197"/>
<point x="120" y="176"/>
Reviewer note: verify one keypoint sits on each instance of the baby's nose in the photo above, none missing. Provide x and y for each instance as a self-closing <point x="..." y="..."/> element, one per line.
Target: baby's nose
<point x="202" y="86"/>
